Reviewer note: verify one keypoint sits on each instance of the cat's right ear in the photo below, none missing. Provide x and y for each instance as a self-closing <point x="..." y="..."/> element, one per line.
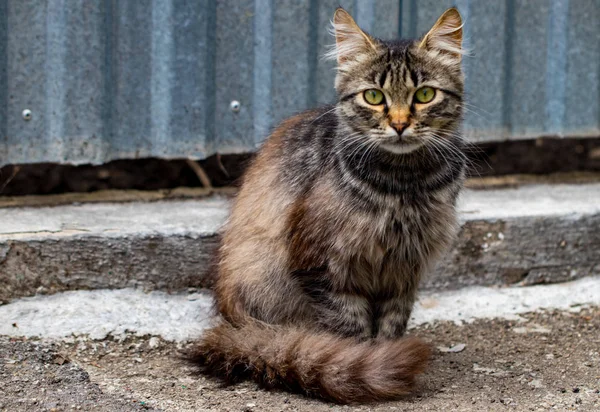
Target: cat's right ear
<point x="446" y="35"/>
<point x="351" y="43"/>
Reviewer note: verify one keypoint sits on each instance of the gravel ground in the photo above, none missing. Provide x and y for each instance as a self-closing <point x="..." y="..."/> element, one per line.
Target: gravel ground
<point x="549" y="361"/>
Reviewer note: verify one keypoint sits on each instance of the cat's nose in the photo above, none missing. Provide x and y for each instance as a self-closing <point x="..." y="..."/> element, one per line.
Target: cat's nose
<point x="399" y="126"/>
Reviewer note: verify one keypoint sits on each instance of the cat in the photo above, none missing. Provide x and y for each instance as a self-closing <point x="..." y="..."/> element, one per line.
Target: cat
<point x="340" y="213"/>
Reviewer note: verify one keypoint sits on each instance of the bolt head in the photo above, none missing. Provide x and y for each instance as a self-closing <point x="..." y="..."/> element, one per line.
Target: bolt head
<point x="26" y="114"/>
<point x="235" y="106"/>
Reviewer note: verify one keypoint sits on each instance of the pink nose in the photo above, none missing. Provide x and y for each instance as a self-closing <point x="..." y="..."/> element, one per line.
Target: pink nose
<point x="399" y="126"/>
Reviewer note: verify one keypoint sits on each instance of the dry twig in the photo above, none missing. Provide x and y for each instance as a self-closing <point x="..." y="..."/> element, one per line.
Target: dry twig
<point x="202" y="176"/>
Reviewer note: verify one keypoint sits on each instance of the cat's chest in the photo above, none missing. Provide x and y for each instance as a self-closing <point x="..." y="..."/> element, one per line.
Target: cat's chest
<point x="384" y="250"/>
<point x="404" y="233"/>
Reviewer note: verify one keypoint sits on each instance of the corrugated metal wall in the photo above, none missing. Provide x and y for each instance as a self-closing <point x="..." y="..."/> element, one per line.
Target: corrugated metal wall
<point x="108" y="79"/>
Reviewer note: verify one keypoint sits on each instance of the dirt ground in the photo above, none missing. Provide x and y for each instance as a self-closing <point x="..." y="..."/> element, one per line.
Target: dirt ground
<point x="549" y="362"/>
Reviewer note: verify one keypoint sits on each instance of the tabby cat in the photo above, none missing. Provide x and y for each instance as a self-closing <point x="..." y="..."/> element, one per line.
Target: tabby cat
<point x="341" y="212"/>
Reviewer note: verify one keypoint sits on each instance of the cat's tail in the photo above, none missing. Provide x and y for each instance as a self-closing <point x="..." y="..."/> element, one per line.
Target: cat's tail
<point x="314" y="363"/>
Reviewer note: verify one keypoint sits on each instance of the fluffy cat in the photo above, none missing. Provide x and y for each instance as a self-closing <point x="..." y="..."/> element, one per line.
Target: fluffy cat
<point x="341" y="212"/>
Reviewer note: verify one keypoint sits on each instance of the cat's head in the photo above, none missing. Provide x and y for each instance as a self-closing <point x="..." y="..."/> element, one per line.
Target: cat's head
<point x="401" y="94"/>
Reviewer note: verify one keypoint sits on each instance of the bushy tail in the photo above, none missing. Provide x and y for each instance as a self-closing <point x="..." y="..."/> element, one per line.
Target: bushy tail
<point x="317" y="364"/>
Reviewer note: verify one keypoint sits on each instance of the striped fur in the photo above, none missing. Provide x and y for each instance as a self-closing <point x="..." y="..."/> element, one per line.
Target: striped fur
<point x="337" y="219"/>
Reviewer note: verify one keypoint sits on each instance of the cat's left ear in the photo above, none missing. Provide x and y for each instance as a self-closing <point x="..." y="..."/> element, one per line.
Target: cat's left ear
<point x="446" y="35"/>
<point x="351" y="43"/>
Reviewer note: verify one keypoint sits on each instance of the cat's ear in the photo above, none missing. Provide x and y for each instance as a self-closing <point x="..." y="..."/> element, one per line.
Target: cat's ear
<point x="446" y="35"/>
<point x="351" y="43"/>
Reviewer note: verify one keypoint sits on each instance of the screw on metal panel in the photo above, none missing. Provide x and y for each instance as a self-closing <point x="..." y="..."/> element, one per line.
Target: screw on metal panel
<point x="26" y="114"/>
<point x="235" y="106"/>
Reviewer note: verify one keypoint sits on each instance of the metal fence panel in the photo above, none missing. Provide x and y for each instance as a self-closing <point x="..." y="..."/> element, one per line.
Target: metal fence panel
<point x="112" y="79"/>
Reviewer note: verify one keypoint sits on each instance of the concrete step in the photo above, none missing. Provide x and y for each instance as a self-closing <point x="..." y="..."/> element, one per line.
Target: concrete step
<point x="182" y="317"/>
<point x="527" y="235"/>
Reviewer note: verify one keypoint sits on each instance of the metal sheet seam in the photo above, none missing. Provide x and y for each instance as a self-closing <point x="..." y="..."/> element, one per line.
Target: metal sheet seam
<point x="108" y="78"/>
<point x="465" y="8"/>
<point x="210" y="68"/>
<point x="413" y="13"/>
<point x="3" y="72"/>
<point x="313" y="53"/>
<point x="160" y="91"/>
<point x="556" y="65"/>
<point x="365" y="14"/>
<point x="263" y="42"/>
<point x="507" y="90"/>
<point x="55" y="74"/>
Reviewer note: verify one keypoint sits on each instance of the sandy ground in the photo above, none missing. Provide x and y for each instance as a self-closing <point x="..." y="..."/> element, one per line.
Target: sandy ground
<point x="548" y="361"/>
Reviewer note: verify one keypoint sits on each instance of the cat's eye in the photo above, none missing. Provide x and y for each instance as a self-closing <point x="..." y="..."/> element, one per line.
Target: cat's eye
<point x="373" y="96"/>
<point x="424" y="94"/>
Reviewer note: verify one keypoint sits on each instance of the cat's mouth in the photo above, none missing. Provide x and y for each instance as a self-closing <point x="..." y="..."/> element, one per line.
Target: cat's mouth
<point x="401" y="147"/>
<point x="401" y="144"/>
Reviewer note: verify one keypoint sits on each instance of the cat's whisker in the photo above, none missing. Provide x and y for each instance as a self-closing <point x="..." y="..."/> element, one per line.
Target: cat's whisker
<point x="447" y="144"/>
<point x="468" y="110"/>
<point x="326" y="113"/>
<point x="438" y="140"/>
<point x="361" y="147"/>
<point x="464" y="103"/>
<point x="346" y="142"/>
<point x="349" y="141"/>
<point x="370" y="148"/>
<point x="458" y="151"/>
<point x="353" y="150"/>
<point x="438" y="150"/>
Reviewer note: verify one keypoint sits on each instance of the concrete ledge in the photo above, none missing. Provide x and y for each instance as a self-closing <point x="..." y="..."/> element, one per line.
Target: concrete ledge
<point x="161" y="245"/>
<point x="528" y="235"/>
<point x="533" y="234"/>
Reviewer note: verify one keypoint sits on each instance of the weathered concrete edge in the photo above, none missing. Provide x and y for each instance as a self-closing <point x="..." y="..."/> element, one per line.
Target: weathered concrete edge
<point x="521" y="251"/>
<point x="205" y="216"/>
<point x="169" y="263"/>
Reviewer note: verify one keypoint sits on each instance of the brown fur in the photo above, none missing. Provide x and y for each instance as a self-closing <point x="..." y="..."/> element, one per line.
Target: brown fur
<point x="332" y="230"/>
<point x="317" y="364"/>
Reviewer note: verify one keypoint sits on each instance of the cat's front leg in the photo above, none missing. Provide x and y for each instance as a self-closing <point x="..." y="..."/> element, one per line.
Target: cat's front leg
<point x="394" y="316"/>
<point x="337" y="311"/>
<point x="346" y="315"/>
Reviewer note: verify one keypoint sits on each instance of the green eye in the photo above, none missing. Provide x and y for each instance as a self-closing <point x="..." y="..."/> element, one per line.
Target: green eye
<point x="373" y="96"/>
<point x="424" y="95"/>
